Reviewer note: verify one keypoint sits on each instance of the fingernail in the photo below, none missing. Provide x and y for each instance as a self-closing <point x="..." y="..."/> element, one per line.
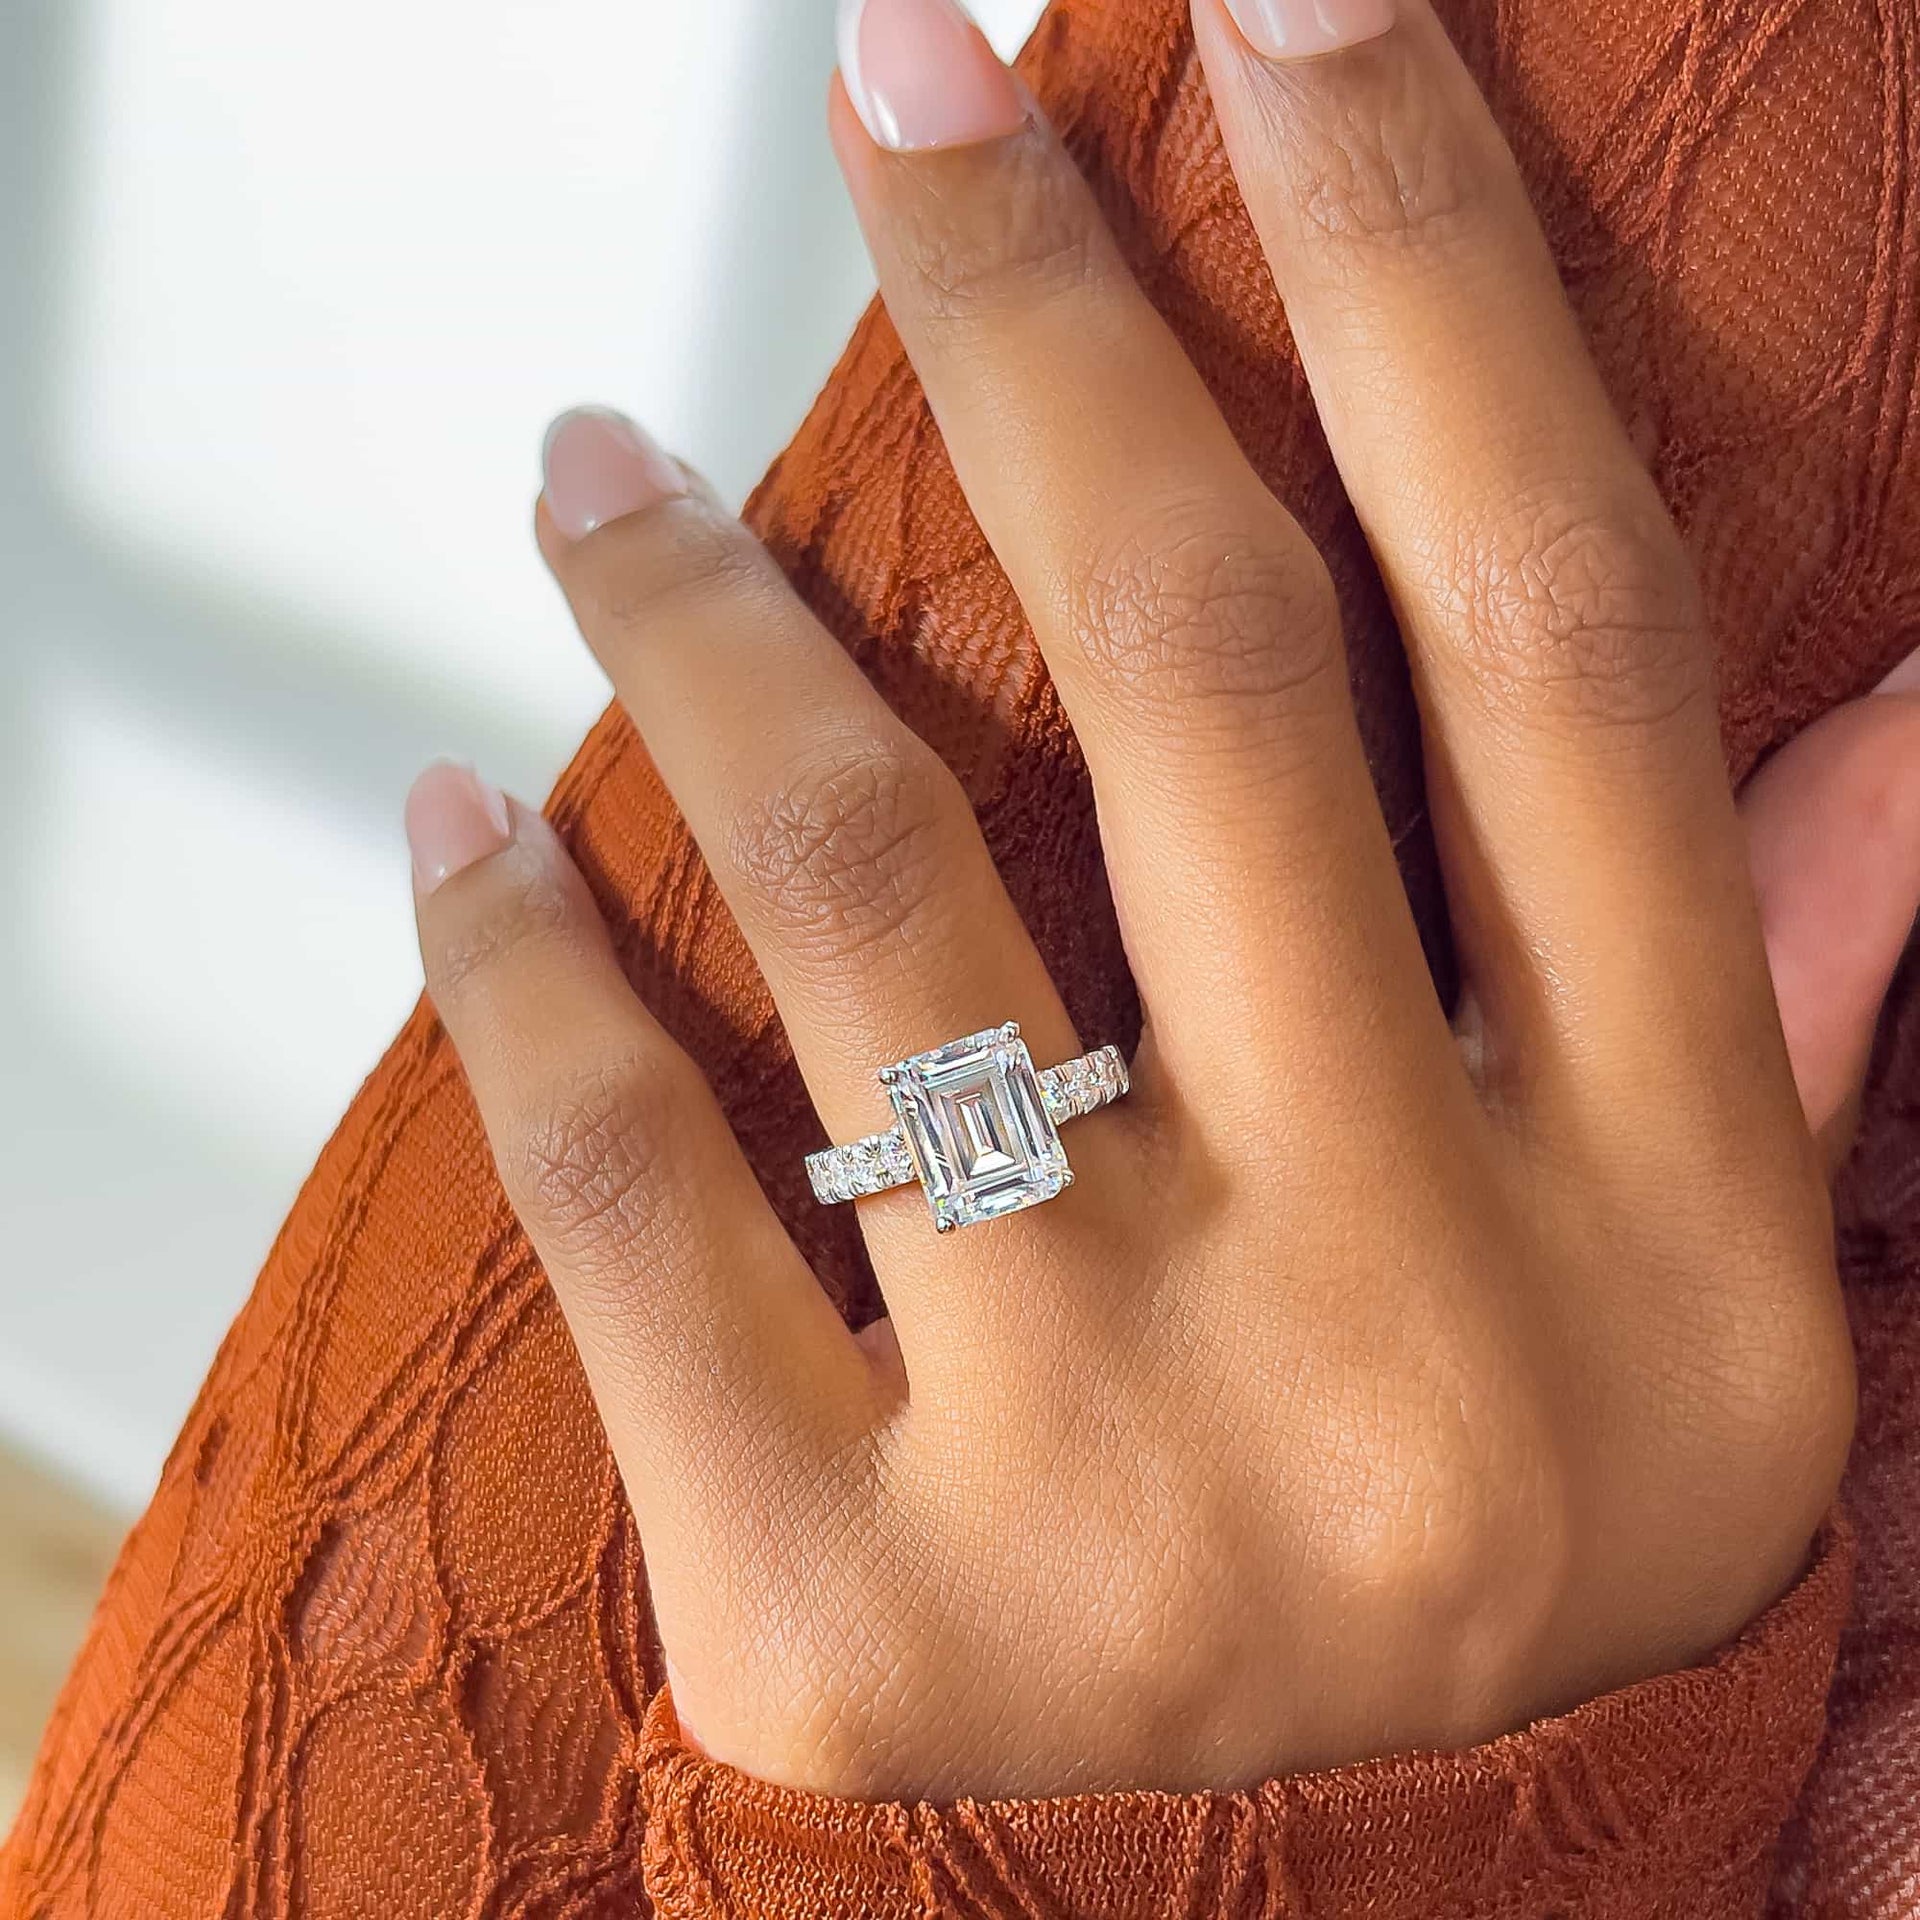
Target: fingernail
<point x="454" y="819"/>
<point x="599" y="466"/>
<point x="920" y="74"/>
<point x="1905" y="678"/>
<point x="1298" y="29"/>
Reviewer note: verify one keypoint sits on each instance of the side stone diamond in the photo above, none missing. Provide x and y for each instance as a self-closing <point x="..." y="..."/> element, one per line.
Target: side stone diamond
<point x="1084" y="1086"/>
<point x="896" y="1158"/>
<point x="865" y="1167"/>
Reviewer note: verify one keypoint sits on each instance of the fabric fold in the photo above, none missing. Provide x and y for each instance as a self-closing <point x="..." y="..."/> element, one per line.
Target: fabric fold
<point x="1666" y="1798"/>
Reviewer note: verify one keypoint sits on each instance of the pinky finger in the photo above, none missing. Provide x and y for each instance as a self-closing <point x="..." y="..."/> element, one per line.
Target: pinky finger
<point x="709" y="1345"/>
<point x="1833" y="838"/>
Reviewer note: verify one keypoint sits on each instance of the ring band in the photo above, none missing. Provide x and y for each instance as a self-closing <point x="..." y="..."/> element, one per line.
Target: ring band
<point x="976" y="1126"/>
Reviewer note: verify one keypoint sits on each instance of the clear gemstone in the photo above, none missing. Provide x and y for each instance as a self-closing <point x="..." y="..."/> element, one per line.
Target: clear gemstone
<point x="982" y="1140"/>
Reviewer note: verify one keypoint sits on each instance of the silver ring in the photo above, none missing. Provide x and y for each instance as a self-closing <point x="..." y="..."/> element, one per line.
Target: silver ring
<point x="977" y="1127"/>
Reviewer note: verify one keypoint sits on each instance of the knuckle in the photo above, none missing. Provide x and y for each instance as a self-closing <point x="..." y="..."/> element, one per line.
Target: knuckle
<point x="848" y="850"/>
<point x="683" y="561"/>
<point x="1576" y="605"/>
<point x="1806" y="1422"/>
<point x="526" y="904"/>
<point x="1466" y="1516"/>
<point x="1775" y="1383"/>
<point x="1188" y="614"/>
<point x="589" y="1168"/>
<point x="1819" y="1415"/>
<point x="1382" y="162"/>
<point x="1016" y="238"/>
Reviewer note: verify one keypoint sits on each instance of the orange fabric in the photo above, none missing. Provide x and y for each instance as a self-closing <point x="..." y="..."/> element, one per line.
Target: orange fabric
<point x="1662" y="1800"/>
<point x="382" y="1644"/>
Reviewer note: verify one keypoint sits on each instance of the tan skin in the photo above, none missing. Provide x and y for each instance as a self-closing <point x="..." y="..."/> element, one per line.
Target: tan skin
<point x="1381" y="1383"/>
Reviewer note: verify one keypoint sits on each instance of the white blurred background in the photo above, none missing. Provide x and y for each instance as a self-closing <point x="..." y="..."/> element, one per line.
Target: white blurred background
<point x="286" y="298"/>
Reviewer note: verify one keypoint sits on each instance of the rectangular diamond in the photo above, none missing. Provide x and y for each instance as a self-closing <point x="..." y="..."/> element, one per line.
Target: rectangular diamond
<point x="981" y="1138"/>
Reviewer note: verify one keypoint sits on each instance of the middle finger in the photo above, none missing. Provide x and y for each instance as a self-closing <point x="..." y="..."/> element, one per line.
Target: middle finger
<point x="1186" y="618"/>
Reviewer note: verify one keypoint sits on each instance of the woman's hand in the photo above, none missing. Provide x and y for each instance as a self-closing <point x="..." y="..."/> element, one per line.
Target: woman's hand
<point x="1381" y="1383"/>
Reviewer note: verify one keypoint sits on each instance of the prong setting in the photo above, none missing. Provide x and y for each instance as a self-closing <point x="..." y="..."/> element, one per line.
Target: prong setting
<point x="976" y="1126"/>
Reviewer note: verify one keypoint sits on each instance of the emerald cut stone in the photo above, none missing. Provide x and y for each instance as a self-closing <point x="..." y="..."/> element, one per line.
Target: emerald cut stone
<point x="978" y="1128"/>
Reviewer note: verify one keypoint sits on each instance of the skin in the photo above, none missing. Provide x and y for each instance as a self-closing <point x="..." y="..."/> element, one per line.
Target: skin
<point x="1380" y="1383"/>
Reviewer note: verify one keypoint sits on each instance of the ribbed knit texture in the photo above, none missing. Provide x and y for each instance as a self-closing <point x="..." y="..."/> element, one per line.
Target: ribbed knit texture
<point x="382" y="1645"/>
<point x="1665" y="1800"/>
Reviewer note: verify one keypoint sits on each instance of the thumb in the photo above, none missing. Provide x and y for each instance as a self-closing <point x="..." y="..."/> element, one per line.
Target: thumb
<point x="1833" y="835"/>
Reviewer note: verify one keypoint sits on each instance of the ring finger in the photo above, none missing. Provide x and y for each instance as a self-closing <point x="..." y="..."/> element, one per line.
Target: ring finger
<point x="843" y="845"/>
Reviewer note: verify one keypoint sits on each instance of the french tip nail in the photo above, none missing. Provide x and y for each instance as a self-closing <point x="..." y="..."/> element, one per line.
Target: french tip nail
<point x="1305" y="29"/>
<point x="921" y="75"/>
<point x="597" y="465"/>
<point x="610" y="417"/>
<point x="846" y="28"/>
<point x="454" y="820"/>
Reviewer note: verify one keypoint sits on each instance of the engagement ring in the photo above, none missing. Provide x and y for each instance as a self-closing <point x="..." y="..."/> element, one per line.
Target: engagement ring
<point x="978" y="1128"/>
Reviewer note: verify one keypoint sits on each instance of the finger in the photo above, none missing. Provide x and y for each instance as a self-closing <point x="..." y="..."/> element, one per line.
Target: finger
<point x="1833" y="832"/>
<point x="706" y="1338"/>
<point x="1557" y="638"/>
<point x="1187" y="620"/>
<point x="845" y="848"/>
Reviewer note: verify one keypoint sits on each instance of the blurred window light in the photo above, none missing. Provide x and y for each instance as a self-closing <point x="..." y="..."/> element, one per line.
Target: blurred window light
<point x="226" y="944"/>
<point x="332" y="272"/>
<point x="314" y="284"/>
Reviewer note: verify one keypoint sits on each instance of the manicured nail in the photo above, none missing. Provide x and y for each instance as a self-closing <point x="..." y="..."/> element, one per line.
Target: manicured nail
<point x="454" y="819"/>
<point x="1905" y="678"/>
<point x="600" y="467"/>
<point x="1299" y="29"/>
<point x="920" y="74"/>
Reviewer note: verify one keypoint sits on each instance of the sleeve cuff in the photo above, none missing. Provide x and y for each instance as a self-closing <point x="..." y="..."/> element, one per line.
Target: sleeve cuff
<point x="1667" y="1797"/>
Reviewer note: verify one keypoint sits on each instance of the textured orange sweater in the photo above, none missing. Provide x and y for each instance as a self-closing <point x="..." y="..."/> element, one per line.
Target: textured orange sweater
<point x="382" y="1645"/>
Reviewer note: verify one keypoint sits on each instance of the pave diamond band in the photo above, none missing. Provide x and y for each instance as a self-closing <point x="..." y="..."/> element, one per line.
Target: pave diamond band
<point x="977" y="1127"/>
<point x="877" y="1164"/>
<point x="1085" y="1085"/>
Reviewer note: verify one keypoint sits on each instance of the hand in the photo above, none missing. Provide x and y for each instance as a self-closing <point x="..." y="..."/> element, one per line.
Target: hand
<point x="1381" y="1383"/>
